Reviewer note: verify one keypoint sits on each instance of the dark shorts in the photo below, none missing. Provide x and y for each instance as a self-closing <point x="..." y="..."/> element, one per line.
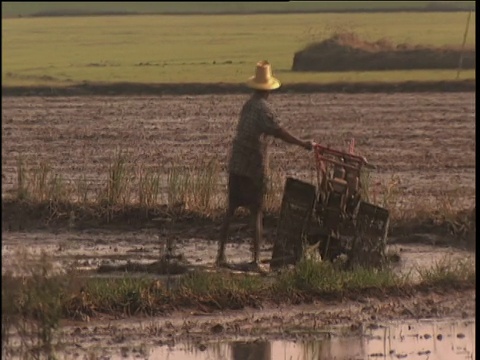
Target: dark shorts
<point x="244" y="191"/>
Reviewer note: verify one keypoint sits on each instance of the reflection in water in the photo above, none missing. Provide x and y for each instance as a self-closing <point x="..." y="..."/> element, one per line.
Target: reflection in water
<point x="256" y="350"/>
<point x="412" y="341"/>
<point x="421" y="340"/>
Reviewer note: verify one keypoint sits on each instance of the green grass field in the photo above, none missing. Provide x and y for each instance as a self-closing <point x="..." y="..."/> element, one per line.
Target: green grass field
<point x="194" y="48"/>
<point x="29" y="8"/>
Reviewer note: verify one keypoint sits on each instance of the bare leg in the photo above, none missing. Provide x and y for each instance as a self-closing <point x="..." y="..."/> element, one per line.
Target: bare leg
<point x="257" y="215"/>
<point x="221" y="260"/>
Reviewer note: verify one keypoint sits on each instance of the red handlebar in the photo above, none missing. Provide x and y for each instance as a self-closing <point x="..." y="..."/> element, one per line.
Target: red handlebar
<point x="320" y="150"/>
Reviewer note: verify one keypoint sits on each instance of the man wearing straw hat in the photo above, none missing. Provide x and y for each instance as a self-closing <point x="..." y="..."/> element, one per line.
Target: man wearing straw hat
<point x="246" y="182"/>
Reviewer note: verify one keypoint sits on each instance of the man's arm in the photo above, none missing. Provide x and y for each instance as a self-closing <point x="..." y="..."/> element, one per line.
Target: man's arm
<point x="271" y="126"/>
<point x="284" y="135"/>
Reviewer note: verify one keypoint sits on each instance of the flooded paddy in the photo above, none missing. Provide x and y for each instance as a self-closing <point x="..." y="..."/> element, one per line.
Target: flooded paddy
<point x="419" y="340"/>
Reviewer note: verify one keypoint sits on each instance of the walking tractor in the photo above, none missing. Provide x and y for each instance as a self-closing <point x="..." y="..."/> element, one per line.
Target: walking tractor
<point x="332" y="217"/>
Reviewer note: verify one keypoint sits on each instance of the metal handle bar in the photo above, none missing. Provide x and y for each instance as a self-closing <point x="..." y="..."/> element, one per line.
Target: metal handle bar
<point x="319" y="149"/>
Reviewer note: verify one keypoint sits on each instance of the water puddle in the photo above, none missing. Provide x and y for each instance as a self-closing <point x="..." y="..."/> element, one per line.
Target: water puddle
<point x="425" y="340"/>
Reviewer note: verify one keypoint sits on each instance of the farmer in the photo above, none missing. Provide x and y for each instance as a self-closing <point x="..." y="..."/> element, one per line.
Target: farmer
<point x="247" y="165"/>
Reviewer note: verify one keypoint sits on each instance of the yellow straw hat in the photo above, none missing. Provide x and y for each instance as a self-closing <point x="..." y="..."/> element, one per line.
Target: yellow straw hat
<point x="263" y="79"/>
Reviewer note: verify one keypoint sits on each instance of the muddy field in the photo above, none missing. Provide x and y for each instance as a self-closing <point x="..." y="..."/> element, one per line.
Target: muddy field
<point x="426" y="325"/>
<point x="426" y="140"/>
<point x="104" y="253"/>
<point x="423" y="146"/>
<point x="389" y="328"/>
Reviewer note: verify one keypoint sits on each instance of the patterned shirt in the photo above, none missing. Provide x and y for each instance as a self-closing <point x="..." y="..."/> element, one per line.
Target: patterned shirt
<point x="249" y="149"/>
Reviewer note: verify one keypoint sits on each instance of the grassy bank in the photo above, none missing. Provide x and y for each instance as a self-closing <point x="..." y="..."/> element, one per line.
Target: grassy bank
<point x="35" y="306"/>
<point x="222" y="49"/>
<point x="74" y="296"/>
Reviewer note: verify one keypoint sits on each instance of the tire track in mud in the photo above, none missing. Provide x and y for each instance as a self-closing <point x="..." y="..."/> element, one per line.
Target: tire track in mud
<point x="426" y="139"/>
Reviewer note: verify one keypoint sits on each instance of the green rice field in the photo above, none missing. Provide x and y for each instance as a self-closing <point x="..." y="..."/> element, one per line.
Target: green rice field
<point x="62" y="51"/>
<point x="43" y="8"/>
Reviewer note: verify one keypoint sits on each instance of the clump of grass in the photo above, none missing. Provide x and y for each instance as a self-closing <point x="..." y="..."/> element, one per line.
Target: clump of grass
<point x="40" y="184"/>
<point x="204" y="283"/>
<point x="148" y="188"/>
<point x="127" y="296"/>
<point x="220" y="290"/>
<point x="22" y="182"/>
<point x="390" y="192"/>
<point x="177" y="188"/>
<point x="313" y="277"/>
<point x="383" y="194"/>
<point x="58" y="189"/>
<point x="32" y="303"/>
<point x="373" y="278"/>
<point x="204" y="186"/>
<point x="117" y="187"/>
<point x="194" y="189"/>
<point x="82" y="190"/>
<point x="449" y="272"/>
<point x="458" y="223"/>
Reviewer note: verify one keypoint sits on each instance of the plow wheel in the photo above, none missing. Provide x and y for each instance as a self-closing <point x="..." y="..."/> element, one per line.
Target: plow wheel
<point x="370" y="240"/>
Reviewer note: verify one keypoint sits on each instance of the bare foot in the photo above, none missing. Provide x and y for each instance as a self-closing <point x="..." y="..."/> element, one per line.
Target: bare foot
<point x="255" y="266"/>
